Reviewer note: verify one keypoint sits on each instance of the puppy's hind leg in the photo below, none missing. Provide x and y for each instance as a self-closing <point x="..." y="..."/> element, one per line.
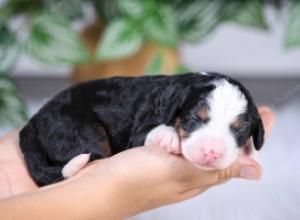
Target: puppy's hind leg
<point x="75" y="164"/>
<point x="99" y="148"/>
<point x="80" y="161"/>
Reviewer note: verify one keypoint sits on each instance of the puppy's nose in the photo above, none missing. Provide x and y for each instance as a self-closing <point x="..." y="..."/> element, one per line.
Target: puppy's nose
<point x="212" y="150"/>
<point x="211" y="156"/>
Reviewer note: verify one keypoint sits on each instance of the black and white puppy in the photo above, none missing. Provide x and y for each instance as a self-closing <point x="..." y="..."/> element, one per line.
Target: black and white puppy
<point x="207" y="117"/>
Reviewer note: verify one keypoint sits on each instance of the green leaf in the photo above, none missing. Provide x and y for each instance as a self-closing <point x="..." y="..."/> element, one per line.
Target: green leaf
<point x="122" y="38"/>
<point x="14" y="7"/>
<point x="292" y="32"/>
<point x="197" y="19"/>
<point x="52" y="41"/>
<point x="247" y="13"/>
<point x="9" y="49"/>
<point x="156" y="65"/>
<point x="134" y="8"/>
<point x="182" y="69"/>
<point x="68" y="9"/>
<point x="12" y="107"/>
<point x="107" y="10"/>
<point x="161" y="26"/>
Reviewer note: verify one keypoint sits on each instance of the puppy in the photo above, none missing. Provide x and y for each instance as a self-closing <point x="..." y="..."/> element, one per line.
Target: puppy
<point x="207" y="117"/>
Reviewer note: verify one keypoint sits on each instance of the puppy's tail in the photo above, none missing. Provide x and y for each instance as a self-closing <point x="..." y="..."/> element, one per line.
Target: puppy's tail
<point x="40" y="169"/>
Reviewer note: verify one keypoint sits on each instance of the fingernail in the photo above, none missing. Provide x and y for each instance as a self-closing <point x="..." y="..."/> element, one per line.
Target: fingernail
<point x="249" y="172"/>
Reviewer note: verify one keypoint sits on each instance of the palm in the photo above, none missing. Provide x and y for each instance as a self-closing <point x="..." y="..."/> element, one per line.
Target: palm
<point x="14" y="177"/>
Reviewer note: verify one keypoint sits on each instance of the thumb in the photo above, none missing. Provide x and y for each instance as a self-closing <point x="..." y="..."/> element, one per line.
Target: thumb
<point x="243" y="167"/>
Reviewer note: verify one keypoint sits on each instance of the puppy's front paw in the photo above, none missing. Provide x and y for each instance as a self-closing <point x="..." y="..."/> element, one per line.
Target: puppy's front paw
<point x="166" y="137"/>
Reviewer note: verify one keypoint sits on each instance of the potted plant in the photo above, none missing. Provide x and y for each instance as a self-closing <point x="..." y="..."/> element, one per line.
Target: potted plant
<point x="128" y="36"/>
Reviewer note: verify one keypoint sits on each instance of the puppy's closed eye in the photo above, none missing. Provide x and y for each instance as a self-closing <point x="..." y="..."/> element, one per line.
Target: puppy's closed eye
<point x="202" y="113"/>
<point x="239" y="124"/>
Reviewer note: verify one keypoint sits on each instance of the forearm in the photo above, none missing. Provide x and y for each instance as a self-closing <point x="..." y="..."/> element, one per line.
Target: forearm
<point x="83" y="198"/>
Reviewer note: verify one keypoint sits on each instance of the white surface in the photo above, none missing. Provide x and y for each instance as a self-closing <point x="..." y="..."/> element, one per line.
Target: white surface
<point x="276" y="196"/>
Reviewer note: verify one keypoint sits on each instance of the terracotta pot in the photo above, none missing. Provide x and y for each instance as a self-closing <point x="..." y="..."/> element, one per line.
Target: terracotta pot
<point x="131" y="66"/>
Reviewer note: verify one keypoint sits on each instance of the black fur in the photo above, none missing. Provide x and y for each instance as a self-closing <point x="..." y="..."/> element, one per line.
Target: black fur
<point x="115" y="112"/>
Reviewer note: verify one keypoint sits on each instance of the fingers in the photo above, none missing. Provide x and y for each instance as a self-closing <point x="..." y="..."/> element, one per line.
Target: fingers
<point x="243" y="167"/>
<point x="268" y="119"/>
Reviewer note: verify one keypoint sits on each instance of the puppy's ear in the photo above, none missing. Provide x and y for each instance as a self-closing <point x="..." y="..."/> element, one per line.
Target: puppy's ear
<point x="257" y="132"/>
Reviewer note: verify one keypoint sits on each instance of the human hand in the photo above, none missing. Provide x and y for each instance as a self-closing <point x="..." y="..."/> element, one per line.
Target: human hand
<point x="149" y="177"/>
<point x="164" y="178"/>
<point x="14" y="176"/>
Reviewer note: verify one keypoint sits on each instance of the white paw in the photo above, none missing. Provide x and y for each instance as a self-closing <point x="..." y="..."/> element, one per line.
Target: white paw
<point x="75" y="164"/>
<point x="166" y="137"/>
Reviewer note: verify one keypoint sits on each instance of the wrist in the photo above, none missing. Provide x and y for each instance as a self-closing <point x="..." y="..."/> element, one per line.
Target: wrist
<point x="118" y="193"/>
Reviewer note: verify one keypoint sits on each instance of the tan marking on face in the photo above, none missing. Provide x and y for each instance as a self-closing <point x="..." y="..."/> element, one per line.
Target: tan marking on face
<point x="238" y="123"/>
<point x="180" y="131"/>
<point x="202" y="113"/>
<point x="247" y="147"/>
<point x="183" y="134"/>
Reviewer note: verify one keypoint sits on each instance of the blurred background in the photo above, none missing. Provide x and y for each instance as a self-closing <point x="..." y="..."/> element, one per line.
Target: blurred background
<point x="47" y="45"/>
